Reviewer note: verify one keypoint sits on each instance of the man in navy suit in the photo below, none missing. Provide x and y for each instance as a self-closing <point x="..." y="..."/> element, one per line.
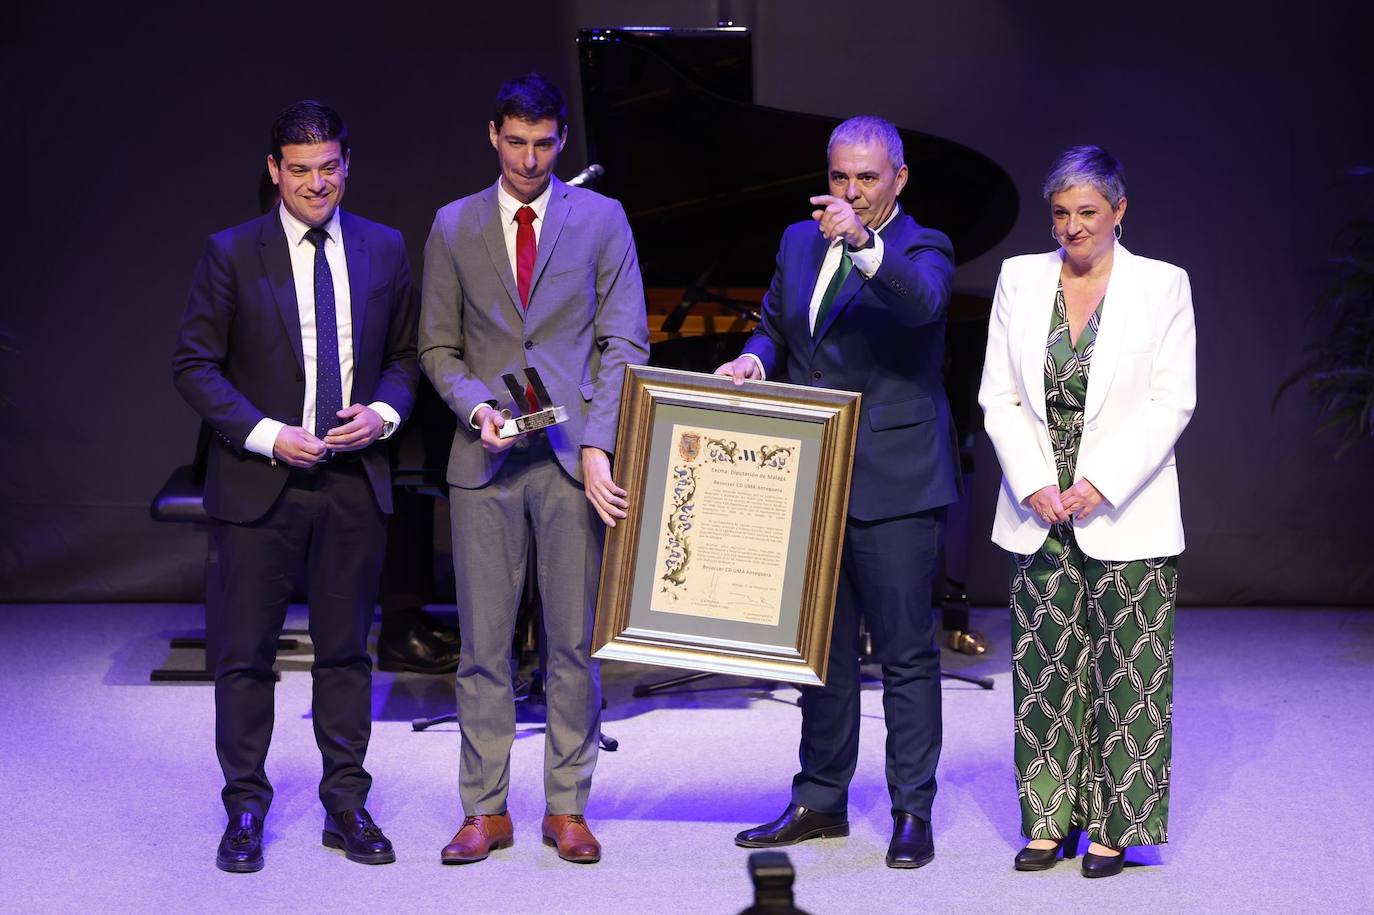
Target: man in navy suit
<point x="298" y="348"/>
<point x="858" y="303"/>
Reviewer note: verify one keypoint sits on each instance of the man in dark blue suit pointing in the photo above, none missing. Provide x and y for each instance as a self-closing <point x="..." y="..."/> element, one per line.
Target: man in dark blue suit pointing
<point x="858" y="302"/>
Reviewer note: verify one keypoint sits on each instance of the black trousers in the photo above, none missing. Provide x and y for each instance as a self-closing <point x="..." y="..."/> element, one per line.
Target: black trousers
<point x="327" y="525"/>
<point x="886" y="574"/>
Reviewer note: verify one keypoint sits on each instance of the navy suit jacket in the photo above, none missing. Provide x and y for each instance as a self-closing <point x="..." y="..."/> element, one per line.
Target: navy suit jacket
<point x="885" y="338"/>
<point x="239" y="359"/>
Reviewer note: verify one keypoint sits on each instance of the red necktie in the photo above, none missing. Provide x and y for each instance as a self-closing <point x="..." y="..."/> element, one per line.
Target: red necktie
<point x="524" y="253"/>
<point x="524" y="274"/>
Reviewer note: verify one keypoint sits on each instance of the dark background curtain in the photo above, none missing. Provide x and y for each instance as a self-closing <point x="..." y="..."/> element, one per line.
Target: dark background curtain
<point x="130" y="136"/>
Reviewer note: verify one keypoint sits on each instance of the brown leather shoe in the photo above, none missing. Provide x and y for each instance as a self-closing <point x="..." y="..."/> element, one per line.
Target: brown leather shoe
<point x="477" y="838"/>
<point x="573" y="838"/>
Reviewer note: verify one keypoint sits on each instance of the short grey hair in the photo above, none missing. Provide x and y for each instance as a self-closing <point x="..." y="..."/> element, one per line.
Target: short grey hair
<point x="1090" y="165"/>
<point x="866" y="130"/>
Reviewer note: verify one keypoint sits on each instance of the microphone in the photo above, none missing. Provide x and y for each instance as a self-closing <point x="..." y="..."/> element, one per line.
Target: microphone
<point x="587" y="177"/>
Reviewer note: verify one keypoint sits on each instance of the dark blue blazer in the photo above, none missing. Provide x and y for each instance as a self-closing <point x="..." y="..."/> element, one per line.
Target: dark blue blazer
<point x="239" y="359"/>
<point x="885" y="338"/>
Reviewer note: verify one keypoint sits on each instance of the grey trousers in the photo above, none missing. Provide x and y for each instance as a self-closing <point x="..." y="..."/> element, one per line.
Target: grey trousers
<point x="530" y="496"/>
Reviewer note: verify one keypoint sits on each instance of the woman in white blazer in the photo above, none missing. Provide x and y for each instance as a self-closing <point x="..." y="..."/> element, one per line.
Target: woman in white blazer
<point x="1087" y="385"/>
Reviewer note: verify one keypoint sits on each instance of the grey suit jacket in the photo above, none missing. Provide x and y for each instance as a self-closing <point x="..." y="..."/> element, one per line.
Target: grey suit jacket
<point x="585" y="323"/>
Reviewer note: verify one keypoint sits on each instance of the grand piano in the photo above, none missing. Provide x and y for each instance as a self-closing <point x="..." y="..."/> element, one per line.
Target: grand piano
<point x="709" y="180"/>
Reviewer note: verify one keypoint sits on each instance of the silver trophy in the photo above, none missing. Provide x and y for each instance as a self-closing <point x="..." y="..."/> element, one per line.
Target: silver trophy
<point x="543" y="415"/>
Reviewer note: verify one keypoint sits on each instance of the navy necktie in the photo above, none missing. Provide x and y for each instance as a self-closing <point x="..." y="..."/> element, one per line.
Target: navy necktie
<point x="328" y="377"/>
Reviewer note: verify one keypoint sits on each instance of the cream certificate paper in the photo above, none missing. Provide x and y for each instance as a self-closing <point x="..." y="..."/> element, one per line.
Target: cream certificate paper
<point x="727" y="518"/>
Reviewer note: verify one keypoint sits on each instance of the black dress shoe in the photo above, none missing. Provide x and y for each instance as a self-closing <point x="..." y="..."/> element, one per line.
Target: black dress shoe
<point x="912" y="843"/>
<point x="240" y="848"/>
<point x="412" y="640"/>
<point x="1103" y="865"/>
<point x="797" y="824"/>
<point x="360" y="838"/>
<point x="1042" y="859"/>
<point x="446" y="634"/>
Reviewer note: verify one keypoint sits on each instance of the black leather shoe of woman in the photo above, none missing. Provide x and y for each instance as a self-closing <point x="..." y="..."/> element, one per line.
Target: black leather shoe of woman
<point x="1103" y="865"/>
<point x="1042" y="859"/>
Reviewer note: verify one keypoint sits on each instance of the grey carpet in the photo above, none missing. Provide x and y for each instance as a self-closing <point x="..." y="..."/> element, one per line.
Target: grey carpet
<point x="111" y="787"/>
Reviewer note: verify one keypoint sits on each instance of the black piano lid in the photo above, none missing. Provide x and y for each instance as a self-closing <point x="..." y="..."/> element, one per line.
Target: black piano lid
<point x="709" y="179"/>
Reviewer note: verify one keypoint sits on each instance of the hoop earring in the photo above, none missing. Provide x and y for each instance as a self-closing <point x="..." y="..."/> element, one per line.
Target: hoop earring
<point x="1054" y="234"/>
<point x="1117" y="231"/>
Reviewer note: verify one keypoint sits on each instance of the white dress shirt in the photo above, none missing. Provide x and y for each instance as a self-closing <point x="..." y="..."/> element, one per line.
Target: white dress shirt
<point x="264" y="435"/>
<point x="509" y="205"/>
<point x="509" y="227"/>
<point x="866" y="261"/>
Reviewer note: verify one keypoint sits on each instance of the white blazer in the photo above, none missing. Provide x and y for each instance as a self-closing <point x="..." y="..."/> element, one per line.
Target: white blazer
<point x="1141" y="394"/>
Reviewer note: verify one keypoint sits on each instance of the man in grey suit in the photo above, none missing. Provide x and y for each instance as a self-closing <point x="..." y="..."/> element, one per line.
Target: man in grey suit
<point x="530" y="273"/>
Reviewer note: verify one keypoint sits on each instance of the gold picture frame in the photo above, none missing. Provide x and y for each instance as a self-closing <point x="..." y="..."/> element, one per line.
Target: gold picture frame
<point x="780" y="630"/>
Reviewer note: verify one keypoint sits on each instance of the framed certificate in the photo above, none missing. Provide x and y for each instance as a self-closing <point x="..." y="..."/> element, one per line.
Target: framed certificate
<point x="729" y="558"/>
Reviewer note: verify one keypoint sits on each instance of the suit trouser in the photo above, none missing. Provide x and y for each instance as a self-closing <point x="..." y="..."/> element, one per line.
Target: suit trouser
<point x="328" y="522"/>
<point x="531" y="495"/>
<point x="886" y="576"/>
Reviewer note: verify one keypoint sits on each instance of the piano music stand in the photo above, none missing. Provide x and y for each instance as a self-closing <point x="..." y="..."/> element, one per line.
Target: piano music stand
<point x="697" y="292"/>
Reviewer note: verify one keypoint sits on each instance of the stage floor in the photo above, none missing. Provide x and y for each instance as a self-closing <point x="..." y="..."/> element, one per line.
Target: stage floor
<point x="112" y="800"/>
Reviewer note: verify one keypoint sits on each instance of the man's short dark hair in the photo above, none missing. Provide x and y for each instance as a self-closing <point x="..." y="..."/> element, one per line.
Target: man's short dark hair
<point x="530" y="98"/>
<point x="306" y="123"/>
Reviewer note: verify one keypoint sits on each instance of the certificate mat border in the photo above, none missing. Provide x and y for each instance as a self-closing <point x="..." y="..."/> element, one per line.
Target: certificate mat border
<point x="806" y="661"/>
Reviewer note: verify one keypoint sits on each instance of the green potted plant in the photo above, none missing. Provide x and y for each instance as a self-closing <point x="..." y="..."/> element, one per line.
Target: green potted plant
<point x="1339" y="371"/>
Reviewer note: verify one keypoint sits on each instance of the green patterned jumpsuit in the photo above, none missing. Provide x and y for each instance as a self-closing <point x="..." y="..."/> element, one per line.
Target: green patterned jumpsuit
<point x="1092" y="656"/>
